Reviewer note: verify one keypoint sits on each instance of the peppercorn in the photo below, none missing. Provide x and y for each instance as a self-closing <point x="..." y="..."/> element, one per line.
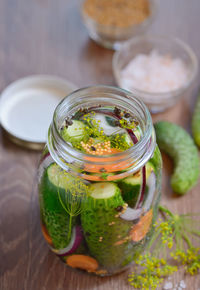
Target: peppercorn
<point x="93" y="148"/>
<point x="127" y="115"/>
<point x="117" y="123"/>
<point x="117" y="111"/>
<point x="119" y="208"/>
<point x="68" y="122"/>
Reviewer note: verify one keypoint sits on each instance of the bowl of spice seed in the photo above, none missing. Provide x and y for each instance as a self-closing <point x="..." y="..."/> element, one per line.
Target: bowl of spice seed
<point x="159" y="70"/>
<point x="112" y="22"/>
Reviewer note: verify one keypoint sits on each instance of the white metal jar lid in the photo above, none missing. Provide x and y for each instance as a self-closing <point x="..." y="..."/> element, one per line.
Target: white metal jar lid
<point x="27" y="106"/>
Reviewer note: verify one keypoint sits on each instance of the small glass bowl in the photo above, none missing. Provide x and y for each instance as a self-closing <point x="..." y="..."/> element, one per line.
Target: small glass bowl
<point x="164" y="45"/>
<point x="113" y="37"/>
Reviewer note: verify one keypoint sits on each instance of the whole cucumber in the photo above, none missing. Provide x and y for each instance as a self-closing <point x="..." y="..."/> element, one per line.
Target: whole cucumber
<point x="178" y="144"/>
<point x="196" y="122"/>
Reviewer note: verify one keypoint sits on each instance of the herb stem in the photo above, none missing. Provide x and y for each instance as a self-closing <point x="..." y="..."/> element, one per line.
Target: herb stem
<point x="192" y="232"/>
<point x="178" y="239"/>
<point x="155" y="236"/>
<point x="164" y="209"/>
<point x="70" y="227"/>
<point x="187" y="240"/>
<point x="59" y="197"/>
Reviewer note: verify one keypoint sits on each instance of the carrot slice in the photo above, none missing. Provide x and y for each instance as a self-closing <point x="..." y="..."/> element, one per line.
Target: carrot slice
<point x="140" y="230"/>
<point x="99" y="178"/>
<point x="82" y="262"/>
<point x="107" y="167"/>
<point x="92" y="177"/>
<point x="46" y="235"/>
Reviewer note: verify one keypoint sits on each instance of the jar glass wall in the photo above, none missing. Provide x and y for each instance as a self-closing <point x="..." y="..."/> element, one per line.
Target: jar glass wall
<point x="99" y="199"/>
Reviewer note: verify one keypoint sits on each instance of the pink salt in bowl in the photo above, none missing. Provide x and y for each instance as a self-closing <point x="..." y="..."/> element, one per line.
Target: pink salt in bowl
<point x="157" y="69"/>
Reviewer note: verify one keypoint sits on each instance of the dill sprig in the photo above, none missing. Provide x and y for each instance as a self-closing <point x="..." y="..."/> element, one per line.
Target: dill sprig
<point x="190" y="259"/>
<point x="173" y="237"/>
<point x="152" y="271"/>
<point x="74" y="199"/>
<point x="93" y="128"/>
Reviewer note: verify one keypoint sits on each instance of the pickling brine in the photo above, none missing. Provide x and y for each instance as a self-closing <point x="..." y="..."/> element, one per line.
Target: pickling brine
<point x="99" y="180"/>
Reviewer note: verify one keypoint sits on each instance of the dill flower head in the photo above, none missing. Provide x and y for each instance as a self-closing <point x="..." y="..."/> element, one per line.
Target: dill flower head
<point x="174" y="234"/>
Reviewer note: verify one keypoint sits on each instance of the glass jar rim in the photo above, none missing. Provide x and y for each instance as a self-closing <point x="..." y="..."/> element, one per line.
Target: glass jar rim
<point x="84" y="96"/>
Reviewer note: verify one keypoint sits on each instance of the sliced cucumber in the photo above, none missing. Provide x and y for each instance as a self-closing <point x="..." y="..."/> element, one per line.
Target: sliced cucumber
<point x="57" y="176"/>
<point x="56" y="188"/>
<point x="122" y="140"/>
<point x="128" y="140"/>
<point x="75" y="132"/>
<point x="138" y="133"/>
<point x="130" y="186"/>
<point x="102" y="226"/>
<point x="110" y="121"/>
<point x="156" y="161"/>
<point x="53" y="183"/>
<point x="108" y="130"/>
<point x="103" y="190"/>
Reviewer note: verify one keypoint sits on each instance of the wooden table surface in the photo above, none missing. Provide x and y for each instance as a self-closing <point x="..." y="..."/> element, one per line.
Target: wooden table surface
<point x="47" y="37"/>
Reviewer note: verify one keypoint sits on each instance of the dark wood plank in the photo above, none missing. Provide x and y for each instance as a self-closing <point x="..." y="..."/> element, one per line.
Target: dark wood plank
<point x="48" y="37"/>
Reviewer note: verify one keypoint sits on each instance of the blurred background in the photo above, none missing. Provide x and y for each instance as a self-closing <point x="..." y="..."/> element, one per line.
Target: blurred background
<point x="48" y="37"/>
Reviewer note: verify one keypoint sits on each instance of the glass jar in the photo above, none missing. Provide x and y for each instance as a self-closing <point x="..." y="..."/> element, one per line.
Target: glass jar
<point x="97" y="211"/>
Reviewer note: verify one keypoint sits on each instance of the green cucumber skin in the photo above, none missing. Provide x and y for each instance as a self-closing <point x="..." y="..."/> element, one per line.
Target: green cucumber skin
<point x="95" y="220"/>
<point x="130" y="191"/>
<point x="196" y="122"/>
<point x="178" y="144"/>
<point x="49" y="194"/>
<point x="54" y="216"/>
<point x="156" y="161"/>
<point x="80" y="130"/>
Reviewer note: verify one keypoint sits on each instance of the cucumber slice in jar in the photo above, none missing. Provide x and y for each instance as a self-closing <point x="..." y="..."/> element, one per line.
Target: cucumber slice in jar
<point x="108" y="130"/>
<point x="122" y="140"/>
<point x="110" y="121"/>
<point x="75" y="132"/>
<point x="130" y="186"/>
<point x="137" y="133"/>
<point x="128" y="139"/>
<point x="156" y="161"/>
<point x="56" y="189"/>
<point x="103" y="227"/>
<point x="52" y="184"/>
<point x="104" y="191"/>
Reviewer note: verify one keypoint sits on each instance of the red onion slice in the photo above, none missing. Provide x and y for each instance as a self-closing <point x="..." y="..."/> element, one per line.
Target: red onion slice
<point x="76" y="239"/>
<point x="150" y="195"/>
<point x="131" y="214"/>
<point x="142" y="188"/>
